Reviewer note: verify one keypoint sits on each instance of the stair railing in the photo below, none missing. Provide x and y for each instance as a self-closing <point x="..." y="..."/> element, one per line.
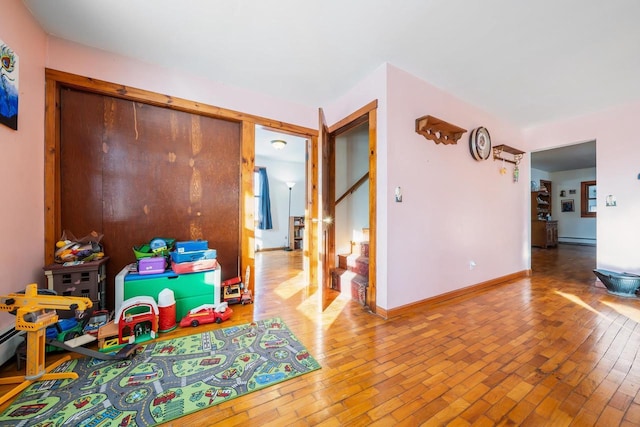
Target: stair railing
<point x="353" y="188"/>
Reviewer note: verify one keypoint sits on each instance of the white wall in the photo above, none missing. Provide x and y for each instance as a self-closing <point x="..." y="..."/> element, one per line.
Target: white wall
<point x="572" y="228"/>
<point x="617" y="153"/>
<point x="537" y="175"/>
<point x="279" y="173"/>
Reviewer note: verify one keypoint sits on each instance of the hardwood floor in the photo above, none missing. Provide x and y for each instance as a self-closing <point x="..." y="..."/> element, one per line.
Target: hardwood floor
<point x="551" y="349"/>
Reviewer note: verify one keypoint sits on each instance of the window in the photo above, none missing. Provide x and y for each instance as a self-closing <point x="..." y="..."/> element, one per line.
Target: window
<point x="588" y="200"/>
<point x="263" y="202"/>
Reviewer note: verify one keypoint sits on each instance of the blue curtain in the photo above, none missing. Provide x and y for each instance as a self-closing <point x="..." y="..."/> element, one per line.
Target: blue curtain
<point x="264" y="210"/>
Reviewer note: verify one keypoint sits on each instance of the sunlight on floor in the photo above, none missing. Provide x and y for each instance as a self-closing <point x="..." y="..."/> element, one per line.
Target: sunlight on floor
<point x="290" y="287"/>
<point x="630" y="312"/>
<point x="331" y="313"/>
<point x="578" y="301"/>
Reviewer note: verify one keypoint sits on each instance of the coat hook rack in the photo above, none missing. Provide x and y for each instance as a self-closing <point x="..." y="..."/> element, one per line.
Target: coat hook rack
<point x="500" y="150"/>
<point x="438" y="130"/>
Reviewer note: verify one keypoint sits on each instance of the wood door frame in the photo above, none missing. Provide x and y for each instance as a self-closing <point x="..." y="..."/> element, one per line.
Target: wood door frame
<point x="363" y="114"/>
<point x="56" y="80"/>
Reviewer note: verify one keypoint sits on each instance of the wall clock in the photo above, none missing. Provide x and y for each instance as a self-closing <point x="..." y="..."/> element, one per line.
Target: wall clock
<point x="480" y="143"/>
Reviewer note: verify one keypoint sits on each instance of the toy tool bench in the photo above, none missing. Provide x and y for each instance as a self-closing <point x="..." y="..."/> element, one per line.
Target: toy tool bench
<point x="190" y="290"/>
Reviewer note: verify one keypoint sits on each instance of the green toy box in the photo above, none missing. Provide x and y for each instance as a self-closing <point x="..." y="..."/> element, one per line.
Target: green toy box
<point x="190" y="290"/>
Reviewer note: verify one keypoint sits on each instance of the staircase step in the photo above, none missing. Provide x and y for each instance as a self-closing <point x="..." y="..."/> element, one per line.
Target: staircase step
<point x="364" y="249"/>
<point x="358" y="264"/>
<point x="359" y="285"/>
<point x="336" y="278"/>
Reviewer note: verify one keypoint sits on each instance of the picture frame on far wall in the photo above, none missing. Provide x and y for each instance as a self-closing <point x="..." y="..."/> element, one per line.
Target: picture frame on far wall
<point x="8" y="86"/>
<point x="567" y="205"/>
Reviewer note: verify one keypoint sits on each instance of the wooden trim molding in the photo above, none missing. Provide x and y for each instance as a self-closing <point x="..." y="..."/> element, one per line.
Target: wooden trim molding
<point x="469" y="290"/>
<point x="247" y="203"/>
<point x="355" y="118"/>
<point x="312" y="234"/>
<point x="152" y="98"/>
<point x="372" y="292"/>
<point x="52" y="221"/>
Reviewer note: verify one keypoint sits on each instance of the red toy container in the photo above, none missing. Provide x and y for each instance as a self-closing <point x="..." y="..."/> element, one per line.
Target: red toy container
<point x="194" y="266"/>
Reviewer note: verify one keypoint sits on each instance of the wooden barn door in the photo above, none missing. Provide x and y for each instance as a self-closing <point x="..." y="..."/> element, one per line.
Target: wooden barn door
<point x="135" y="171"/>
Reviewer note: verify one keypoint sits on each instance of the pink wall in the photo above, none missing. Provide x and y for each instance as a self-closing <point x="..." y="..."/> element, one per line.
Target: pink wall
<point x="455" y="209"/>
<point x="22" y="171"/>
<point x="73" y="58"/>
<point x="617" y="154"/>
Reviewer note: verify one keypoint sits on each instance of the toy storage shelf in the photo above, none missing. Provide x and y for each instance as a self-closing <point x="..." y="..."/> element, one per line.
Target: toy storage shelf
<point x="83" y="280"/>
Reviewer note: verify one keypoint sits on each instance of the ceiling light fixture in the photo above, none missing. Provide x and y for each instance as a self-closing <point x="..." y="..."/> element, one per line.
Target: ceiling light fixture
<point x="278" y="144"/>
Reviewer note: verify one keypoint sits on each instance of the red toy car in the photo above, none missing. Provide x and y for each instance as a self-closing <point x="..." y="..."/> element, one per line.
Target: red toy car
<point x="207" y="313"/>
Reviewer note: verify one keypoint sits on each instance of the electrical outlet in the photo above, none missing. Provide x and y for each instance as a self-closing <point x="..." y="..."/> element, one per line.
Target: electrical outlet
<point x="472" y="265"/>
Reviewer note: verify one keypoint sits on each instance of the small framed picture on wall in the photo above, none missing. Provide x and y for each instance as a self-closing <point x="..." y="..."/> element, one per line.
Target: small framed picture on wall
<point x="567" y="205"/>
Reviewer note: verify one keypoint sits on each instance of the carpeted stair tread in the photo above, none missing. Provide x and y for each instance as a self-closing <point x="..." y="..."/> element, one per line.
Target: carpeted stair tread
<point x="360" y="280"/>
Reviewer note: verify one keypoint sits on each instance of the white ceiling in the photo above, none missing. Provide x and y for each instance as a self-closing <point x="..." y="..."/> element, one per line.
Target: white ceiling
<point x="578" y="156"/>
<point x="525" y="61"/>
<point x="294" y="151"/>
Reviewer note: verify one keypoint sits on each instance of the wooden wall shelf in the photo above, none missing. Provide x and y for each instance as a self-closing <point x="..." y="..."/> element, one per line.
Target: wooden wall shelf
<point x="438" y="130"/>
<point x="499" y="150"/>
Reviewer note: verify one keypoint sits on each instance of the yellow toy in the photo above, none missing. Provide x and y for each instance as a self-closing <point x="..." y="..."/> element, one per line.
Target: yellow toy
<point x="34" y="313"/>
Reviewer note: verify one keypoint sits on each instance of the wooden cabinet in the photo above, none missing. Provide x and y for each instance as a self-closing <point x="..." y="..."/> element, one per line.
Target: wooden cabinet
<point x="544" y="233"/>
<point x="296" y="232"/>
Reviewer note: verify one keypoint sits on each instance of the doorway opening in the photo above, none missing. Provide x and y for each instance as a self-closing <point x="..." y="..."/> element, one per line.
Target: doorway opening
<point x="280" y="192"/>
<point x="348" y="207"/>
<point x="351" y="229"/>
<point x="561" y="171"/>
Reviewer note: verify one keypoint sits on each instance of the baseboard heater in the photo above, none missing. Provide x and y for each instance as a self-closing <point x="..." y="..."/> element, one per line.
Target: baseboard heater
<point x="10" y="339"/>
<point x="585" y="241"/>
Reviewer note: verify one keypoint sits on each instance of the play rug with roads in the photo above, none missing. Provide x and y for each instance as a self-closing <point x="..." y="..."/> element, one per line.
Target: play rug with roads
<point x="166" y="380"/>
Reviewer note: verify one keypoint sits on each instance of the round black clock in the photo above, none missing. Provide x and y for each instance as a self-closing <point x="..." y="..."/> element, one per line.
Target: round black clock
<point x="480" y="143"/>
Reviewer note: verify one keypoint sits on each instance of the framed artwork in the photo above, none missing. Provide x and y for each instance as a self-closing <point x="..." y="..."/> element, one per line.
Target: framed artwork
<point x="8" y="87"/>
<point x="567" y="205"/>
